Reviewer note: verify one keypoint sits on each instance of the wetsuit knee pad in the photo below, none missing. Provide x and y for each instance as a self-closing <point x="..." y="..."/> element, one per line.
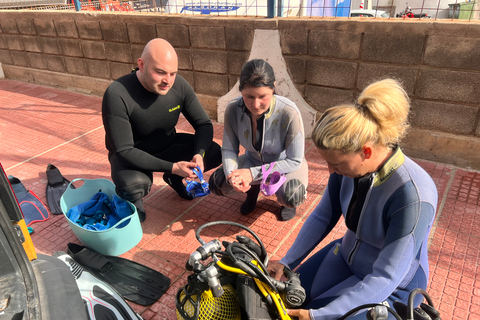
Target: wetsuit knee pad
<point x="295" y="192"/>
<point x="216" y="182"/>
<point x="213" y="156"/>
<point x="135" y="190"/>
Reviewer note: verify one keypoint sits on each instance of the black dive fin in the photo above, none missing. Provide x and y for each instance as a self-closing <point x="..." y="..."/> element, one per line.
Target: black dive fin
<point x="32" y="207"/>
<point x="134" y="281"/>
<point x="101" y="301"/>
<point x="56" y="186"/>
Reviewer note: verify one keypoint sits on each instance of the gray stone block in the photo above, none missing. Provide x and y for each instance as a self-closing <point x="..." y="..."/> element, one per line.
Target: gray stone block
<point x="371" y="72"/>
<point x="71" y="47"/>
<point x="45" y="27"/>
<point x="89" y="30"/>
<point x="176" y="34"/>
<point x="76" y="66"/>
<point x="294" y="41"/>
<point x="54" y="79"/>
<point x="9" y="26"/>
<point x="118" y="70"/>
<point x="26" y="26"/>
<point x="443" y="147"/>
<point x="184" y="59"/>
<point x="136" y="53"/>
<point x="456" y="52"/>
<point x="209" y="61"/>
<point x="235" y="61"/>
<point x="18" y="73"/>
<point x="119" y="52"/>
<point x="93" y="49"/>
<point x="5" y="57"/>
<point x="296" y="68"/>
<point x="114" y="31"/>
<point x="400" y="47"/>
<point x="445" y="117"/>
<point x="20" y="59"/>
<point x="449" y="86"/>
<point x="207" y="37"/>
<point x="239" y="39"/>
<point x="50" y="45"/>
<point x="210" y="84"/>
<point x="334" y="44"/>
<point x="209" y="104"/>
<point x="91" y="85"/>
<point x="55" y="63"/>
<point x="36" y="60"/>
<point x="141" y="32"/>
<point x="321" y="98"/>
<point x="3" y="43"/>
<point x="14" y="42"/>
<point x="66" y="28"/>
<point x="187" y="75"/>
<point x="331" y="73"/>
<point x="31" y="43"/>
<point x="232" y="80"/>
<point x="97" y="69"/>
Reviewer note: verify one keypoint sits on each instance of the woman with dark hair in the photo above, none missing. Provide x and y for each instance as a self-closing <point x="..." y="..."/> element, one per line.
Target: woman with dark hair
<point x="270" y="129"/>
<point x="388" y="203"/>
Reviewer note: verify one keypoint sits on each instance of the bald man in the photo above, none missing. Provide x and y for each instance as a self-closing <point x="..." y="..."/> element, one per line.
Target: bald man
<point x="140" y="111"/>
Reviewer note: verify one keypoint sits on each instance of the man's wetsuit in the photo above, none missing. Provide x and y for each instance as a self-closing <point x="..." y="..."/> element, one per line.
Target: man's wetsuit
<point x="383" y="254"/>
<point x="141" y="136"/>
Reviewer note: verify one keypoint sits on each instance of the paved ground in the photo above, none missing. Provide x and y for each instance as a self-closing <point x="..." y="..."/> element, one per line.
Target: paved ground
<point x="41" y="125"/>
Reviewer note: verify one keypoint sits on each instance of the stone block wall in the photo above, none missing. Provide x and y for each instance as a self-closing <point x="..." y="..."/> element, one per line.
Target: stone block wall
<point x="329" y="60"/>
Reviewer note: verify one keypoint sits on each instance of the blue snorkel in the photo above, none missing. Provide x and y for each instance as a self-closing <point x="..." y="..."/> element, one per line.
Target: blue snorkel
<point x="198" y="189"/>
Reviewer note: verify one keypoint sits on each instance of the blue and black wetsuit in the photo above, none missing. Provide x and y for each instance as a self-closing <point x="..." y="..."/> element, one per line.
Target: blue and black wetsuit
<point x="383" y="254"/>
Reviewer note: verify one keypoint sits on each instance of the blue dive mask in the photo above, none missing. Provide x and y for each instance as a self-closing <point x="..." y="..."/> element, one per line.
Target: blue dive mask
<point x="198" y="189"/>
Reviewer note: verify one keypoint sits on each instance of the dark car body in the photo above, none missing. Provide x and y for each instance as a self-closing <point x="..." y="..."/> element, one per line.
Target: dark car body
<point x="32" y="286"/>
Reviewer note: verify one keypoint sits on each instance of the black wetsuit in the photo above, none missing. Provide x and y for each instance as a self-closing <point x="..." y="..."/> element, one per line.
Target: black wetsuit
<point x="141" y="136"/>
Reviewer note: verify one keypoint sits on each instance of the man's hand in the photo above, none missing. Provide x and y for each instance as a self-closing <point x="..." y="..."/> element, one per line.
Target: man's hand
<point x="301" y="314"/>
<point x="184" y="169"/>
<point x="240" y="179"/>
<point x="198" y="159"/>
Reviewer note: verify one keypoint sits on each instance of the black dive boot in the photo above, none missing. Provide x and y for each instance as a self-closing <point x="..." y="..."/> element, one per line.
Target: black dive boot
<point x="251" y="202"/>
<point x="175" y="182"/>
<point x="287" y="213"/>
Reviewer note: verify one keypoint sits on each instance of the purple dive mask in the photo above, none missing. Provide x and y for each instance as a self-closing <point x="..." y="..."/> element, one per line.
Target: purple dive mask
<point x="274" y="182"/>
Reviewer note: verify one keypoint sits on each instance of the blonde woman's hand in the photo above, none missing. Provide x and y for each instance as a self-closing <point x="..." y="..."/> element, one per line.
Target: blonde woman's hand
<point x="275" y="269"/>
<point x="300" y="314"/>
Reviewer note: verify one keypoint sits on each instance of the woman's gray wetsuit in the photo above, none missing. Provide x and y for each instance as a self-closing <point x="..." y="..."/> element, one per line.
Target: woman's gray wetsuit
<point x="280" y="138"/>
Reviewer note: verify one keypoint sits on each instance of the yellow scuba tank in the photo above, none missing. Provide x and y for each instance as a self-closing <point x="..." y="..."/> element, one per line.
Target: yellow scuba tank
<point x="208" y="307"/>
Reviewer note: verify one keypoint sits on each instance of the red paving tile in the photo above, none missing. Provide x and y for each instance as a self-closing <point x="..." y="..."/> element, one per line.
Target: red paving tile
<point x="41" y="125"/>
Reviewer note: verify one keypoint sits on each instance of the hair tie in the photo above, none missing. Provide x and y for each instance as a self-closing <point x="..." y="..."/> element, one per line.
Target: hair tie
<point x="360" y="106"/>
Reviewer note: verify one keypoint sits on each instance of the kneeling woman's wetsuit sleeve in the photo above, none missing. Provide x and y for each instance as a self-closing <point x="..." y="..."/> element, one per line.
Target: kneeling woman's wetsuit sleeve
<point x="408" y="229"/>
<point x="318" y="225"/>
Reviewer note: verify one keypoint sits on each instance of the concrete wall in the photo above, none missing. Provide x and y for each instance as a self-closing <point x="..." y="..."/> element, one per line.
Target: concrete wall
<point x="329" y="60"/>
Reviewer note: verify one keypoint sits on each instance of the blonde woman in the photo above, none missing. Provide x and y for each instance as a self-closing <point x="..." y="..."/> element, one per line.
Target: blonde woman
<point x="388" y="203"/>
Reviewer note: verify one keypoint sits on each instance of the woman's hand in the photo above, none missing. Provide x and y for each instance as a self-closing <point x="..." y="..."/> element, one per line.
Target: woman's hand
<point x="301" y="314"/>
<point x="275" y="269"/>
<point x="240" y="179"/>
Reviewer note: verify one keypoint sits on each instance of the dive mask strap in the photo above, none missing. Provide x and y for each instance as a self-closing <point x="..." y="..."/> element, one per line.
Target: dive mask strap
<point x="274" y="183"/>
<point x="198" y="189"/>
